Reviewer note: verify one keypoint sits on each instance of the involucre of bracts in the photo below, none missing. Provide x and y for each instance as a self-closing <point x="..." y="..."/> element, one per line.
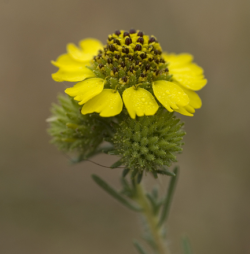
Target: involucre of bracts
<point x="149" y="143"/>
<point x="72" y="131"/>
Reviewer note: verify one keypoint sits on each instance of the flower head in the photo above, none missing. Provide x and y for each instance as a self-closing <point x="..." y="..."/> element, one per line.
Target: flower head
<point x="149" y="143"/>
<point x="130" y="69"/>
<point x="72" y="131"/>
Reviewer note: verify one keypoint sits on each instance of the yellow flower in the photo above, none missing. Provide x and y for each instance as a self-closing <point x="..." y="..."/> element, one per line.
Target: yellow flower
<point x="132" y="69"/>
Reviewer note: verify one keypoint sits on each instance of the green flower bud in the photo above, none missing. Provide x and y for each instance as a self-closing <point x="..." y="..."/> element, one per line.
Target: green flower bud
<point x="150" y="143"/>
<point x="72" y="131"/>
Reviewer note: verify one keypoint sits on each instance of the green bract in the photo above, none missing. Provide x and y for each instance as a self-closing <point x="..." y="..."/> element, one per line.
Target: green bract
<point x="72" y="131"/>
<point x="150" y="142"/>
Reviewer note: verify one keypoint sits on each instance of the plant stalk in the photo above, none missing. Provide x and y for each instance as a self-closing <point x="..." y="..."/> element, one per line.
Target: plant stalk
<point x="152" y="220"/>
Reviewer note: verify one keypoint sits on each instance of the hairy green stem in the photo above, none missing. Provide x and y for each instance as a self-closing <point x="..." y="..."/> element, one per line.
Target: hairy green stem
<point x="152" y="221"/>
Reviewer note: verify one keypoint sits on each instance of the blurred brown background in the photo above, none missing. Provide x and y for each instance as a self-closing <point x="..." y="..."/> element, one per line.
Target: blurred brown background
<point x="50" y="207"/>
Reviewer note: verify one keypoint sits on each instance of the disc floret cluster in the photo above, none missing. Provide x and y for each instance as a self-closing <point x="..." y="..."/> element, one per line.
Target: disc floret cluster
<point x="130" y="59"/>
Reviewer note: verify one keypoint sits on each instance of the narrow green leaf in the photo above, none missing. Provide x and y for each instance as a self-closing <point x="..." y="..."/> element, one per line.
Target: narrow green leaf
<point x="125" y="172"/>
<point x="133" y="179"/>
<point x="169" y="197"/>
<point x="72" y="126"/>
<point x="139" y="177"/>
<point x="112" y="152"/>
<point x="165" y="172"/>
<point x="152" y="202"/>
<point x="128" y="190"/>
<point x="133" y="175"/>
<point x="107" y="149"/>
<point x="117" y="164"/>
<point x="114" y="193"/>
<point x="155" y="205"/>
<point x="186" y="246"/>
<point x="139" y="248"/>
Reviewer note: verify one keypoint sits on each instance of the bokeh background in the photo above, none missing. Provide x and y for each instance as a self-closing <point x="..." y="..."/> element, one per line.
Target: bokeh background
<point x="50" y="207"/>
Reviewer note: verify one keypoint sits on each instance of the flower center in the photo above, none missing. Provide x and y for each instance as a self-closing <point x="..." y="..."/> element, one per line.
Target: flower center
<point x="130" y="59"/>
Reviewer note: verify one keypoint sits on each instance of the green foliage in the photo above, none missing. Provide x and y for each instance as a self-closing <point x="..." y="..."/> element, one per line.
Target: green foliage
<point x="72" y="131"/>
<point x="153" y="208"/>
<point x="149" y="143"/>
<point x="168" y="198"/>
<point x="105" y="186"/>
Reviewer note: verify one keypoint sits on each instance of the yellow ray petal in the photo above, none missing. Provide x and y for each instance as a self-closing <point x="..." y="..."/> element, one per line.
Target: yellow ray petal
<point x="170" y="95"/>
<point x="177" y="60"/>
<point x="188" y="74"/>
<point x="194" y="99"/>
<point x="86" y="90"/>
<point x="189" y="69"/>
<point x="183" y="111"/>
<point x="78" y="54"/>
<point x="189" y="109"/>
<point x="189" y="81"/>
<point x="139" y="102"/>
<point x="194" y="103"/>
<point x="90" y="46"/>
<point x="67" y="62"/>
<point x="108" y="103"/>
<point x="72" y="75"/>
